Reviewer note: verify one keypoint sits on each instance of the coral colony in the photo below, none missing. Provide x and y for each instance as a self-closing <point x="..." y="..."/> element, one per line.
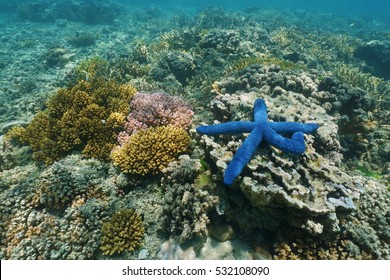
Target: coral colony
<point x="260" y="128"/>
<point x="106" y="167"/>
<point x="154" y="133"/>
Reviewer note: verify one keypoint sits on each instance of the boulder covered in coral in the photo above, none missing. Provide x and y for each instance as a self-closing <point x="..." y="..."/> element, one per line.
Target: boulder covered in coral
<point x="377" y="55"/>
<point x="309" y="194"/>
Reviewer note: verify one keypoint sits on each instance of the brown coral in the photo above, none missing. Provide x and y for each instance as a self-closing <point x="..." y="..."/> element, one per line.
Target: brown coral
<point x="123" y="231"/>
<point x="85" y="117"/>
<point x="149" y="151"/>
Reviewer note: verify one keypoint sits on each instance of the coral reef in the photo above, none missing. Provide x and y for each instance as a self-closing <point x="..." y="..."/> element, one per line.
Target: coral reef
<point x="186" y="205"/>
<point x="310" y="194"/>
<point x="331" y="202"/>
<point x="377" y="55"/>
<point x="154" y="133"/>
<point x="85" y="117"/>
<point x="357" y="78"/>
<point x="123" y="231"/>
<point x="361" y="119"/>
<point x="362" y="237"/>
<point x="242" y="63"/>
<point x="82" y="40"/>
<point x="181" y="65"/>
<point x="149" y="151"/>
<point x="216" y="17"/>
<point x="33" y="225"/>
<point x="155" y="109"/>
<point x="61" y="184"/>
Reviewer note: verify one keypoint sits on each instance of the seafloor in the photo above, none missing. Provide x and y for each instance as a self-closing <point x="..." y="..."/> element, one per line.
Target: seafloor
<point x="160" y="193"/>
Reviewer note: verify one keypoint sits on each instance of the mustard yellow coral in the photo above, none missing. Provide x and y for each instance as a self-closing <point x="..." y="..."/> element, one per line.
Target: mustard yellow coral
<point x="123" y="231"/>
<point x="336" y="248"/>
<point x="149" y="151"/>
<point x="85" y="117"/>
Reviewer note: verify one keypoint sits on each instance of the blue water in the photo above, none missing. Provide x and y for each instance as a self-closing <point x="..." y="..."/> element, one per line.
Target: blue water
<point x="374" y="8"/>
<point x="366" y="8"/>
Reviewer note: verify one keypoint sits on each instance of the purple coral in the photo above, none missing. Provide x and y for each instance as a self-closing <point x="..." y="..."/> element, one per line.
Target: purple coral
<point x="155" y="109"/>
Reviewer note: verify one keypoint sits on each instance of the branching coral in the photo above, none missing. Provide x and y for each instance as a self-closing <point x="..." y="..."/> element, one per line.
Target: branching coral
<point x="357" y="78"/>
<point x="335" y="249"/>
<point x="242" y="63"/>
<point x="149" y="151"/>
<point x="54" y="214"/>
<point x="85" y="117"/>
<point x="60" y="184"/>
<point x="154" y="133"/>
<point x="156" y="109"/>
<point x="186" y="204"/>
<point x="123" y="231"/>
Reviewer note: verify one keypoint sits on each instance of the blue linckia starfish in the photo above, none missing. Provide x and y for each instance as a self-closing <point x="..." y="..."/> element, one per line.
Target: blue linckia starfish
<point x="260" y="129"/>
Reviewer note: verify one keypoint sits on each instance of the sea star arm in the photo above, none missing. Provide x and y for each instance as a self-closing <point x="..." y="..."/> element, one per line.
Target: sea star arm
<point x="243" y="155"/>
<point x="295" y="145"/>
<point x="260" y="111"/>
<point x="226" y="128"/>
<point x="291" y="127"/>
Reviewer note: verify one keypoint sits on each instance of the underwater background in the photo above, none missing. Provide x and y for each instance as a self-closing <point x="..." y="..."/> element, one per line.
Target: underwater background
<point x="194" y="129"/>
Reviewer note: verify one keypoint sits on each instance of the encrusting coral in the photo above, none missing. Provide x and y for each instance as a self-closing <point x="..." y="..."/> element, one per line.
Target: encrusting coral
<point x="123" y="231"/>
<point x="150" y="150"/>
<point x="85" y="117"/>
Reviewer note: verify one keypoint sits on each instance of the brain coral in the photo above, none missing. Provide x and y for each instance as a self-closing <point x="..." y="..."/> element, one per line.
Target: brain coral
<point x="150" y="150"/>
<point x="124" y="231"/>
<point x="155" y="109"/>
<point x="84" y="117"/>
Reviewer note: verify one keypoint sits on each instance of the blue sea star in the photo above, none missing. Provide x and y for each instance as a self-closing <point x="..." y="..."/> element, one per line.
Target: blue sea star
<point x="259" y="129"/>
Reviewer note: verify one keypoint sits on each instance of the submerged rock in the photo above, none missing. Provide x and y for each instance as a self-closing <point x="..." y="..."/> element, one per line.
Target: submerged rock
<point x="278" y="192"/>
<point x="377" y="55"/>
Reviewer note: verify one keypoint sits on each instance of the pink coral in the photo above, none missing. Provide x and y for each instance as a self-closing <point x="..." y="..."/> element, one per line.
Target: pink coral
<point x="155" y="109"/>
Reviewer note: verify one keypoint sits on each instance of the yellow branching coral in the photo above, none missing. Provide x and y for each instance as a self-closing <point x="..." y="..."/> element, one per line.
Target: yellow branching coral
<point x="150" y="150"/>
<point x="85" y="117"/>
<point x="123" y="231"/>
